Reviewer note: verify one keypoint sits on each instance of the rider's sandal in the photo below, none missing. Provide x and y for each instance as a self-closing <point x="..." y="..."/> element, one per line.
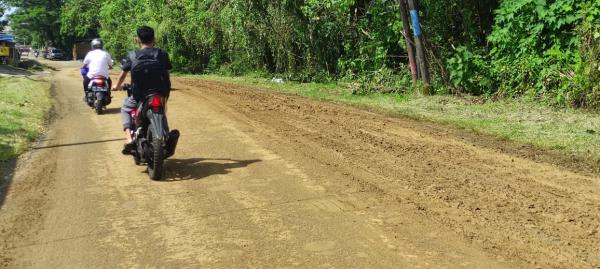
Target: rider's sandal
<point x="128" y="149"/>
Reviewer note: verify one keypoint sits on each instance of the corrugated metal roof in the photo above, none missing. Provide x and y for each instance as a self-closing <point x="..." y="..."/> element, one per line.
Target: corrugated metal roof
<point x="7" y="37"/>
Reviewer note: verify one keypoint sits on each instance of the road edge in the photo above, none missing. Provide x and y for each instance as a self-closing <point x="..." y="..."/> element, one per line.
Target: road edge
<point x="9" y="167"/>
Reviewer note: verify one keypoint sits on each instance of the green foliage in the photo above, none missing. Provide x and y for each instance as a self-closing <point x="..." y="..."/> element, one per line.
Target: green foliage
<point x="80" y="18"/>
<point x="469" y="72"/>
<point x="2" y="22"/>
<point x="587" y="78"/>
<point x="119" y="23"/>
<point x="546" y="49"/>
<point x="311" y="40"/>
<point x="536" y="47"/>
<point x="37" y="21"/>
<point x="384" y="80"/>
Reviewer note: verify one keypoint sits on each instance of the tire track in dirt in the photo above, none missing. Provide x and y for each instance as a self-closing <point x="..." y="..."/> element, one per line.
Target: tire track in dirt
<point x="265" y="180"/>
<point x="510" y="205"/>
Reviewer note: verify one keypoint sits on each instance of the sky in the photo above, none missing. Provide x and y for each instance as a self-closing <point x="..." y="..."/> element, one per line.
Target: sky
<point x="8" y="12"/>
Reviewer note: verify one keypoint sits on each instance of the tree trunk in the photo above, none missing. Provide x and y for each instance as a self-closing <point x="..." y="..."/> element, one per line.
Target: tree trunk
<point x="410" y="49"/>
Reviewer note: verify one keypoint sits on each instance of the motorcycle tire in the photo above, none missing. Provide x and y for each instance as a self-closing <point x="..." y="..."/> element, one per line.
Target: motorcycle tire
<point x="156" y="163"/>
<point x="98" y="107"/>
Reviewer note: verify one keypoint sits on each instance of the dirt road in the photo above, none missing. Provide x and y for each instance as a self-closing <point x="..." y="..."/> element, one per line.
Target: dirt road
<point x="265" y="180"/>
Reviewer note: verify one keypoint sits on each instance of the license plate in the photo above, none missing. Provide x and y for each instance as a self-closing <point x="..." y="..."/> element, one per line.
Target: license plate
<point x="99" y="89"/>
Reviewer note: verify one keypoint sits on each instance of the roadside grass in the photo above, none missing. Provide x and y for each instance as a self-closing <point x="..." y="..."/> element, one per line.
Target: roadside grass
<point x="24" y="104"/>
<point x="523" y="121"/>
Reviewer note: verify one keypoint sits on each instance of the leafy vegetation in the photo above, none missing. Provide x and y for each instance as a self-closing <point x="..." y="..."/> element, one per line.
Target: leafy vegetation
<point x="2" y="21"/>
<point x="544" y="49"/>
<point x="537" y="45"/>
<point x="37" y="21"/>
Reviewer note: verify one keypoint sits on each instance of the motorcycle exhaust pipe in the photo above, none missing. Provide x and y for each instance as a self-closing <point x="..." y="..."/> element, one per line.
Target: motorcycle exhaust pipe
<point x="172" y="142"/>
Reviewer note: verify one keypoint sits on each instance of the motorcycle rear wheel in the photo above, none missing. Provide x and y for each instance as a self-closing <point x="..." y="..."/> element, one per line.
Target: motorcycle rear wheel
<point x="98" y="107"/>
<point x="156" y="163"/>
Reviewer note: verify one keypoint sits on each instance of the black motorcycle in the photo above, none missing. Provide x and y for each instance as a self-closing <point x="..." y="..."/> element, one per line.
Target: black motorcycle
<point x="153" y="141"/>
<point x="98" y="94"/>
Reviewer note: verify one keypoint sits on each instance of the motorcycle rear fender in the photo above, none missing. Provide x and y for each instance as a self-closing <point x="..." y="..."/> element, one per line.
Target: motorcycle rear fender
<point x="158" y="124"/>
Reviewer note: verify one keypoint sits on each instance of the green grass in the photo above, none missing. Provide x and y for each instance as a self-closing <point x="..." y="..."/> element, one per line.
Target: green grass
<point x="520" y="120"/>
<point x="24" y="104"/>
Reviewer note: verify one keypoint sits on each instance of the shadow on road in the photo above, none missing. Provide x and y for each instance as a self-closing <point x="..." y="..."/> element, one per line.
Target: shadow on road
<point x="80" y="143"/>
<point x="112" y="110"/>
<point x="7" y="169"/>
<point x="13" y="71"/>
<point x="199" y="168"/>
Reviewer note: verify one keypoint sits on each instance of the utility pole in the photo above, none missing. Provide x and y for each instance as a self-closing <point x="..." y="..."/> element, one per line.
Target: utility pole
<point x="420" y="48"/>
<point x="410" y="48"/>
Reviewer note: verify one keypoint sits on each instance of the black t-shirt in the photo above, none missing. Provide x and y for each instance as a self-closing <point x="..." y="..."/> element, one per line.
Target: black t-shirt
<point x="162" y="57"/>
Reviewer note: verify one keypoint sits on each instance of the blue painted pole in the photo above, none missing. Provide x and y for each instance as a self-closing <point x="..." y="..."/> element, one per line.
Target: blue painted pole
<point x="419" y="47"/>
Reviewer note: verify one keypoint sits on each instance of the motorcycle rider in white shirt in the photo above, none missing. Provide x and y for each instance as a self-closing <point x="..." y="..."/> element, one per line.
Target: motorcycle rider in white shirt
<point x="98" y="63"/>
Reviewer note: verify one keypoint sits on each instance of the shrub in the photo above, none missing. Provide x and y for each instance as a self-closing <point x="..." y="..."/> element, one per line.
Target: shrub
<point x="470" y="72"/>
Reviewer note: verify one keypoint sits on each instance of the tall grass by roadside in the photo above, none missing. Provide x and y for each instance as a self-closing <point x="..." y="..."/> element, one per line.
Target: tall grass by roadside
<point x="520" y="120"/>
<point x="24" y="104"/>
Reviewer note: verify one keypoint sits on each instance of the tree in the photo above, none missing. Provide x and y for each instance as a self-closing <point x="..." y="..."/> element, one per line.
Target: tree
<point x="38" y="21"/>
<point x="473" y="46"/>
<point x="3" y="23"/>
<point x="80" y="18"/>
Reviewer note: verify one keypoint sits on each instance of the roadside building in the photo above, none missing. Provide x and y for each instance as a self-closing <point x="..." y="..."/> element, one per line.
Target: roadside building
<point x="8" y="51"/>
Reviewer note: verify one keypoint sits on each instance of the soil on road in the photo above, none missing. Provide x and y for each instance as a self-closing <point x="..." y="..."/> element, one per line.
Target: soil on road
<point x="265" y="180"/>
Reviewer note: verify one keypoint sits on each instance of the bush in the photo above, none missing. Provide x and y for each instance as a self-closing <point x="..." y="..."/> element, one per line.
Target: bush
<point x="470" y="72"/>
<point x="384" y="80"/>
<point x="536" y="48"/>
<point x="587" y="78"/>
<point x="546" y="49"/>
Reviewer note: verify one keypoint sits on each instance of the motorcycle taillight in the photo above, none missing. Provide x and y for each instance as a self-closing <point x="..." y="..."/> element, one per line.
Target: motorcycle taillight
<point x="156" y="103"/>
<point x="99" y="82"/>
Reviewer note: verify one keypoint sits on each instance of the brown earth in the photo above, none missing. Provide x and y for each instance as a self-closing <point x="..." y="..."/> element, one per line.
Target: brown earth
<point x="266" y="180"/>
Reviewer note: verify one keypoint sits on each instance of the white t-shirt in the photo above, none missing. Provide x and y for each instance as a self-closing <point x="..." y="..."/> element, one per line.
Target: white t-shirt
<point x="98" y="62"/>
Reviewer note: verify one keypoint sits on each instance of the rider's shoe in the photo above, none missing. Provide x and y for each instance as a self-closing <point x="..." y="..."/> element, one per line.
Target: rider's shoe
<point x="128" y="149"/>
